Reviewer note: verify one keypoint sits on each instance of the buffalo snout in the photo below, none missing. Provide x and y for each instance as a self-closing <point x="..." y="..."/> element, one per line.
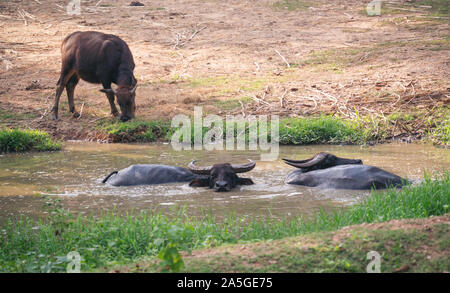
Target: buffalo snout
<point x="125" y="118"/>
<point x="221" y="177"/>
<point x="222" y="186"/>
<point x="126" y="100"/>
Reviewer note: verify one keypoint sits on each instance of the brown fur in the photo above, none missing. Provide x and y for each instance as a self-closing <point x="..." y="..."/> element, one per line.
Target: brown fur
<point x="97" y="58"/>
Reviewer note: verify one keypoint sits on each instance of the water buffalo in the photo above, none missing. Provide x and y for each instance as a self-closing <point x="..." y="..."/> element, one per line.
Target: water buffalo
<point x="146" y="174"/>
<point x="221" y="177"/>
<point x="97" y="58"/>
<point x="328" y="171"/>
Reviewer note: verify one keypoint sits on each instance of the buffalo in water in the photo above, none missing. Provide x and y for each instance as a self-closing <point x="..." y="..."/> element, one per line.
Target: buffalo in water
<point x="328" y="171"/>
<point x="147" y="174"/>
<point x="220" y="177"/>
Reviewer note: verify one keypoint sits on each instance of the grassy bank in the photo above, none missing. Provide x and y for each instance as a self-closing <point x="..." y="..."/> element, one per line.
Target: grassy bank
<point x="325" y="129"/>
<point x="15" y="140"/>
<point x="319" y="130"/>
<point x="135" y="130"/>
<point x="419" y="246"/>
<point x="108" y="240"/>
<point x="315" y="130"/>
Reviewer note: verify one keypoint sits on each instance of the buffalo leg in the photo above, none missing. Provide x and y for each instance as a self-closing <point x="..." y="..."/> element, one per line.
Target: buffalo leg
<point x="70" y="88"/>
<point x="110" y="95"/>
<point x="114" y="110"/>
<point x="64" y="78"/>
<point x="59" y="91"/>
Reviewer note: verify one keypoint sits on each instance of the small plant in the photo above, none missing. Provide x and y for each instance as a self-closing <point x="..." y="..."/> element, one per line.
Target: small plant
<point x="170" y="259"/>
<point x="441" y="133"/>
<point x="16" y="140"/>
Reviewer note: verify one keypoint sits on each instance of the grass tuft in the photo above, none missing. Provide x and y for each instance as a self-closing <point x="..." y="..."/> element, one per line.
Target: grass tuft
<point x="135" y="130"/>
<point x="16" y="140"/>
<point x="323" y="129"/>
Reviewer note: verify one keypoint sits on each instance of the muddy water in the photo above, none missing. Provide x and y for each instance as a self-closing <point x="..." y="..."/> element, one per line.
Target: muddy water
<point x="74" y="175"/>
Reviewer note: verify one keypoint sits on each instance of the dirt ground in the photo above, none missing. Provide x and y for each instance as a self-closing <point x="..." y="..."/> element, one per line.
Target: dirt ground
<point x="292" y="58"/>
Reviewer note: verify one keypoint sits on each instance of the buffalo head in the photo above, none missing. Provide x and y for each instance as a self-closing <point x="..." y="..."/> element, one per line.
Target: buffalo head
<point x="221" y="177"/>
<point x="320" y="161"/>
<point x="125" y="98"/>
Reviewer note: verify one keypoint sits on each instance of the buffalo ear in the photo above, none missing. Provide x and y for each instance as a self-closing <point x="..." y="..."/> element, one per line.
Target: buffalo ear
<point x="199" y="182"/>
<point x="245" y="181"/>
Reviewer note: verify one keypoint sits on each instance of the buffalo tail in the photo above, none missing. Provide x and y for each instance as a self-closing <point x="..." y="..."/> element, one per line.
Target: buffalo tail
<point x="107" y="177"/>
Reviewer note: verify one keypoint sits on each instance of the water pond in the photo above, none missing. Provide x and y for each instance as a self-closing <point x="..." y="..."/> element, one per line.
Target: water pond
<point x="74" y="175"/>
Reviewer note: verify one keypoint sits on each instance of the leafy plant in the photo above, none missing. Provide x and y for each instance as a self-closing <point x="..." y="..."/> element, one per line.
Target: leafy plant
<point x="170" y="259"/>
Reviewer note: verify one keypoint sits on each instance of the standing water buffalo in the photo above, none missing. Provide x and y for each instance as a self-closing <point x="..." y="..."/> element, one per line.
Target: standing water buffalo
<point x="97" y="58"/>
<point x="221" y="177"/>
<point x="328" y="171"/>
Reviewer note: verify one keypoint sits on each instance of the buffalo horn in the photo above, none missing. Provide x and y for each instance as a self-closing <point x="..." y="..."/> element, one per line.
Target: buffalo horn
<point x="242" y="168"/>
<point x="317" y="159"/>
<point x="134" y="89"/>
<point x="199" y="170"/>
<point x="109" y="91"/>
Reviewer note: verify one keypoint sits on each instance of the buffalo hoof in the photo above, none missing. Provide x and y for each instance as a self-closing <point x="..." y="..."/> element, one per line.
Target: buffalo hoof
<point x="115" y="114"/>
<point x="76" y="115"/>
<point x="54" y="116"/>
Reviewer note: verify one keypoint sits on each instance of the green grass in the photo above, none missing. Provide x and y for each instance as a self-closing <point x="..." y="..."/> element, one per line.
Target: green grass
<point x="8" y="116"/>
<point x="319" y="253"/>
<point x="325" y="129"/>
<point x="16" y="140"/>
<point x="440" y="134"/>
<point x="331" y="60"/>
<point x="292" y="5"/>
<point x="227" y="85"/>
<point x="318" y="130"/>
<point x="439" y="7"/>
<point x="230" y="104"/>
<point x="434" y="128"/>
<point x="111" y="239"/>
<point x="135" y="130"/>
<point x="337" y="60"/>
<point x="314" y="130"/>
